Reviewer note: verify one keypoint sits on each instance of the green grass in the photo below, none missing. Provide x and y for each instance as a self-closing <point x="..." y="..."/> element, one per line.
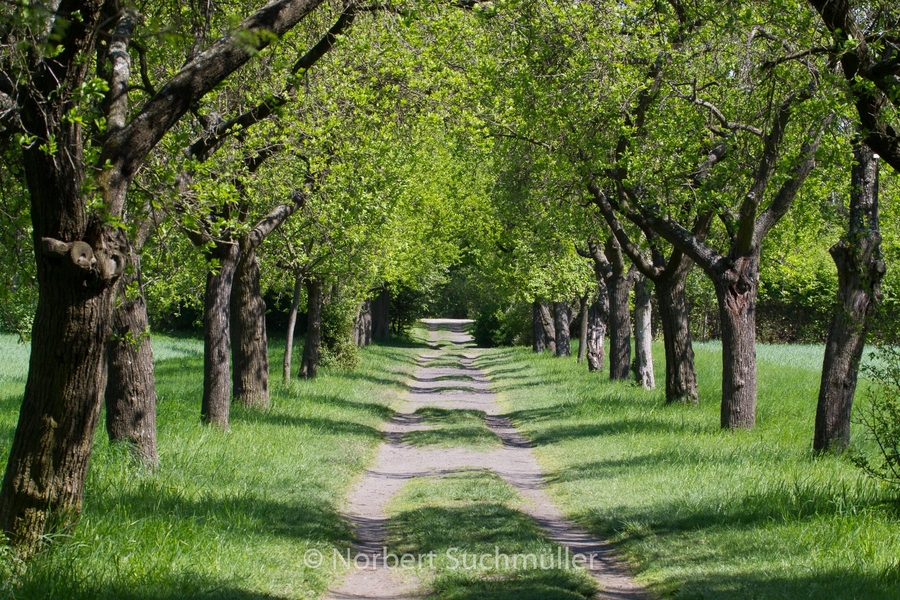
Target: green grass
<point x="467" y="520"/>
<point x="454" y="428"/>
<point x="700" y="512"/>
<point x="228" y="515"/>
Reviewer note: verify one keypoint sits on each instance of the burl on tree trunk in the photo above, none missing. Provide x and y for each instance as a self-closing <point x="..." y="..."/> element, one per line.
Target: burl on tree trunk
<point x="860" y="271"/>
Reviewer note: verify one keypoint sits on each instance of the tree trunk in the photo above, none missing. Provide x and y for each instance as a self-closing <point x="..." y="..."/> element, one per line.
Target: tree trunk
<point x="313" y="342"/>
<point x="681" y="376"/>
<point x="539" y="340"/>
<point x="643" y="335"/>
<point x="291" y="326"/>
<point x="250" y="347"/>
<point x="736" y="292"/>
<point x="548" y="326"/>
<point x="216" y="338"/>
<point x="582" y="337"/>
<point x="130" y="388"/>
<point x="860" y="271"/>
<point x="597" y="315"/>
<point x="619" y="287"/>
<point x="381" y="315"/>
<point x="362" y="327"/>
<point x="561" y="324"/>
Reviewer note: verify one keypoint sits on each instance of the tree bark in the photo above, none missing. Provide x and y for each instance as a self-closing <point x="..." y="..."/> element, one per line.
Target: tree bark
<point x="547" y="324"/>
<point x="250" y="346"/>
<point x="619" y="286"/>
<point x="291" y="326"/>
<point x="313" y="342"/>
<point x="597" y="315"/>
<point x="561" y="325"/>
<point x="130" y="388"/>
<point x="381" y="315"/>
<point x="582" y="337"/>
<point x="216" y="337"/>
<point x="643" y="335"/>
<point x="362" y="327"/>
<point x="860" y="271"/>
<point x="681" y="376"/>
<point x="539" y="340"/>
<point x="736" y="292"/>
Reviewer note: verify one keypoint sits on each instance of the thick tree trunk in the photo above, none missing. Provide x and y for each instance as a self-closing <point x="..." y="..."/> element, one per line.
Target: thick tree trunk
<point x="681" y="376"/>
<point x="250" y="345"/>
<point x="597" y="315"/>
<point x="130" y="388"/>
<point x="539" y="340"/>
<point x="78" y="263"/>
<point x="643" y="335"/>
<point x="381" y="315"/>
<point x="860" y="271"/>
<point x="561" y="325"/>
<point x="548" y="326"/>
<point x="362" y="327"/>
<point x="291" y="326"/>
<point x="736" y="292"/>
<point x="313" y="342"/>
<point x="216" y="338"/>
<point x="619" y="287"/>
<point x="582" y="337"/>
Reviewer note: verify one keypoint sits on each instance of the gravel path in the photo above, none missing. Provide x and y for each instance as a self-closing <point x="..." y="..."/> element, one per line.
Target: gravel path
<point x="396" y="463"/>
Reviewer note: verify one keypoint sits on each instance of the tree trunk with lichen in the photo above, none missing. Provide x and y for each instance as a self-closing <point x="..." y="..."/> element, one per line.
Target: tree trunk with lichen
<point x="643" y="335"/>
<point x="561" y="327"/>
<point x="216" y="402"/>
<point x="250" y="345"/>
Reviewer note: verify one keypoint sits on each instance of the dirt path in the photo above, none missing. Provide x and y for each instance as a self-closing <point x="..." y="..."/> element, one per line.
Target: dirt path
<point x="462" y="387"/>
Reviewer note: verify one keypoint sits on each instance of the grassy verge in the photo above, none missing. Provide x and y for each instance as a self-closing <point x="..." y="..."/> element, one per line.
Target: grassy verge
<point x="700" y="512"/>
<point x="228" y="515"/>
<point x="484" y="547"/>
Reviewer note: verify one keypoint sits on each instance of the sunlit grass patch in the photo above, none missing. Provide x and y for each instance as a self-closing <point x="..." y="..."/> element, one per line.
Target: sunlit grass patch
<point x="482" y="545"/>
<point x="228" y="515"/>
<point x="454" y="429"/>
<point x="699" y="511"/>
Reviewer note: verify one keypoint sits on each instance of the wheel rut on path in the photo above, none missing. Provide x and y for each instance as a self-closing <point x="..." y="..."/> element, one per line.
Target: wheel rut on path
<point x="462" y="387"/>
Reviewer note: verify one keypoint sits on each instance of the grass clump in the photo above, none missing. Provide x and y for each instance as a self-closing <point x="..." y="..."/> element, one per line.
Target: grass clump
<point x="453" y="429"/>
<point x="483" y="546"/>
<point x="228" y="515"/>
<point x="701" y="512"/>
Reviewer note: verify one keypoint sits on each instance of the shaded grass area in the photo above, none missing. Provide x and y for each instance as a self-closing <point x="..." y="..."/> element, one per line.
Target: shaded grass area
<point x="482" y="545"/>
<point x="228" y="515"/>
<point x="454" y="429"/>
<point x="701" y="512"/>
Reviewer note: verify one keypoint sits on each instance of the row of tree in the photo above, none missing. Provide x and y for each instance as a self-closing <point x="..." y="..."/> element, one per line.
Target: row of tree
<point x="323" y="149"/>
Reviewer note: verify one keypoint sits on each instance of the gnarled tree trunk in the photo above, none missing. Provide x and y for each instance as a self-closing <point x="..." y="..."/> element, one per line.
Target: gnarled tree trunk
<point x="643" y="335"/>
<point x="313" y="342"/>
<point x="860" y="271"/>
<point x="736" y="292"/>
<point x="362" y="326"/>
<point x="216" y="402"/>
<point x="561" y="326"/>
<point x="250" y="345"/>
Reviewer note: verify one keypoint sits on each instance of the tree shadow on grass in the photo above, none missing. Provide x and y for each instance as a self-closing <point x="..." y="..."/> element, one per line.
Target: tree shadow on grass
<point x="550" y="584"/>
<point x="455" y="436"/>
<point x="168" y="586"/>
<point x="320" y="424"/>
